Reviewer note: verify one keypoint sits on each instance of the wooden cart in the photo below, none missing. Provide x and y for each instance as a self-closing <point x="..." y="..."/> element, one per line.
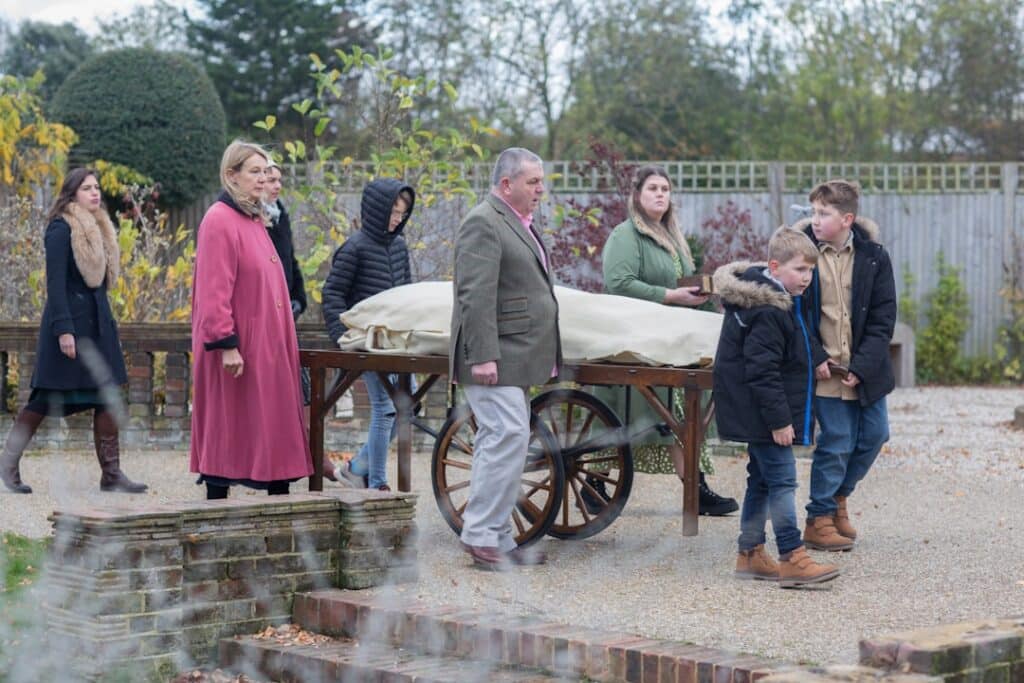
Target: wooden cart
<point x="576" y="439"/>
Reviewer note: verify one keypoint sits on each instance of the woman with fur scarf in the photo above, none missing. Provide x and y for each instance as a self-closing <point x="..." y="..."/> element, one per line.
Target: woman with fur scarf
<point x="79" y="363"/>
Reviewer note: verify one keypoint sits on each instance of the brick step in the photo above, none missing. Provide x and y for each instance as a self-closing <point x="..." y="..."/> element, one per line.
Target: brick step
<point x="350" y="661"/>
<point x="514" y="641"/>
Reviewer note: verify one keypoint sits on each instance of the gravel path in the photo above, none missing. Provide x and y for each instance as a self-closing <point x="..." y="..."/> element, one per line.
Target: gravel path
<point x="940" y="521"/>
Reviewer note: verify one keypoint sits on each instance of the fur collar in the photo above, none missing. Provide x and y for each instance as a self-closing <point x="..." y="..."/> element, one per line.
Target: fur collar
<point x="742" y="289"/>
<point x="93" y="244"/>
<point x="868" y="231"/>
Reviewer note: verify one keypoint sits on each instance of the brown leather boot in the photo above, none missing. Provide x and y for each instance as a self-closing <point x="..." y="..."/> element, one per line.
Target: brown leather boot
<point x="800" y="570"/>
<point x="842" y="520"/>
<point x="756" y="564"/>
<point x="108" y="452"/>
<point x="820" y="534"/>
<point x="25" y="426"/>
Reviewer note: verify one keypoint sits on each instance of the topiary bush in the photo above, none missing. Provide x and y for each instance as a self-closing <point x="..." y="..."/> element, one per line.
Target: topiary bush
<point x="156" y="112"/>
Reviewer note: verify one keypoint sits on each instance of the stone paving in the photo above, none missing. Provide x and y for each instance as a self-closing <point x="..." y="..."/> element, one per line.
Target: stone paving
<point x="939" y="516"/>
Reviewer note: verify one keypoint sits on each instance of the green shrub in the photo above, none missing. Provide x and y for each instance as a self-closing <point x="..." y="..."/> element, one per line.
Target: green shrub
<point x="156" y="112"/>
<point x="939" y="356"/>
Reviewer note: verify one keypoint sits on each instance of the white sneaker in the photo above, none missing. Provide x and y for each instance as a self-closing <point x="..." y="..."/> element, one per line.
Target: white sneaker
<point x="346" y="477"/>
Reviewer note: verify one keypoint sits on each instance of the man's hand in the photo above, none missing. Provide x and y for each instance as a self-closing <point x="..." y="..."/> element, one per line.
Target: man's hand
<point x="232" y="361"/>
<point x="485" y="373"/>
<point x="67" y="345"/>
<point x="784" y="436"/>
<point x="822" y="371"/>
<point x="851" y="380"/>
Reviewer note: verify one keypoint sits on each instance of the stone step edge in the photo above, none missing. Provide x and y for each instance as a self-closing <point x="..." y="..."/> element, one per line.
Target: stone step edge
<point x="347" y="661"/>
<point x="523" y="641"/>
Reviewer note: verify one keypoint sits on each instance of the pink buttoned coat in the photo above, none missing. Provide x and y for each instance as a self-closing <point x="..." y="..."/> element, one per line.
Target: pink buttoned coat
<point x="247" y="428"/>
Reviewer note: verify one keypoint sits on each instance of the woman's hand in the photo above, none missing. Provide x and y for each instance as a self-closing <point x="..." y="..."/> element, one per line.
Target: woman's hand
<point x="67" y="345"/>
<point x="232" y="361"/>
<point x="684" y="296"/>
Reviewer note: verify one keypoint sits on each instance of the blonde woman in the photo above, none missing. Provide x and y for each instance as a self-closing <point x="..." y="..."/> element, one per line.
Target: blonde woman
<point x="247" y="408"/>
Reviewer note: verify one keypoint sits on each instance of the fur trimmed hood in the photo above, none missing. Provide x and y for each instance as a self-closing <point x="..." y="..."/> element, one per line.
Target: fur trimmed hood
<point x="868" y="228"/>
<point x="93" y="244"/>
<point x="742" y="284"/>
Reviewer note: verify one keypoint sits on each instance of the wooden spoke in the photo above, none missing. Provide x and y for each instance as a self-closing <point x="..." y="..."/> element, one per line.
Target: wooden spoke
<point x="585" y="429"/>
<point x="462" y="445"/>
<point x="457" y="464"/>
<point x="553" y="423"/>
<point x="456" y="487"/>
<point x="517" y="520"/>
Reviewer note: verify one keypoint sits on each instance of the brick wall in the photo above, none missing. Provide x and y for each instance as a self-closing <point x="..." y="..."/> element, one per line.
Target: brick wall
<point x="153" y="591"/>
<point x="987" y="651"/>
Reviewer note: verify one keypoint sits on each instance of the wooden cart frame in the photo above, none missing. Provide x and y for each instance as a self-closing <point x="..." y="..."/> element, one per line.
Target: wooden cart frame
<point x="689" y="431"/>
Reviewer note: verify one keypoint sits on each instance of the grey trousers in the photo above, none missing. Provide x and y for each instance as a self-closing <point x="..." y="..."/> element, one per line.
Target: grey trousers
<point x="499" y="455"/>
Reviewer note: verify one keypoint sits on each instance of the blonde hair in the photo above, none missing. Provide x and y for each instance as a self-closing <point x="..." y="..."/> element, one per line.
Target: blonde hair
<point x="844" y="195"/>
<point x="235" y="156"/>
<point x="787" y="243"/>
<point x="665" y="232"/>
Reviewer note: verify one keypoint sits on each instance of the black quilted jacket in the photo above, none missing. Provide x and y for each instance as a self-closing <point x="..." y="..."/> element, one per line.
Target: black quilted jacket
<point x="369" y="261"/>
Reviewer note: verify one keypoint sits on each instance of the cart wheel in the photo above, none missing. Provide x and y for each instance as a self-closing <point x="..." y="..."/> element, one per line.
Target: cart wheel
<point x="542" y="484"/>
<point x="597" y="458"/>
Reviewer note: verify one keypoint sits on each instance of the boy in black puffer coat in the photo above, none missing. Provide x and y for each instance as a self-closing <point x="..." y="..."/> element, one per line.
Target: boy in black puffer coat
<point x="372" y="260"/>
<point x="763" y="391"/>
<point x="853" y="315"/>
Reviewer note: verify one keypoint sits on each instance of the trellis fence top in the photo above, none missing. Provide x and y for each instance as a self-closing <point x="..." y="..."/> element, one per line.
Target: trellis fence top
<point x="731" y="176"/>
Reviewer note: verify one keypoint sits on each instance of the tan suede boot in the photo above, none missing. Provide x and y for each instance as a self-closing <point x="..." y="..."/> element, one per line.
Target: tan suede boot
<point x="756" y="564"/>
<point x="820" y="534"/>
<point x="842" y="520"/>
<point x="800" y="570"/>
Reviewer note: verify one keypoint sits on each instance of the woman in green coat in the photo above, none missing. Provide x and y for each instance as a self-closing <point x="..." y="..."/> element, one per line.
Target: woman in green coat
<point x="643" y="258"/>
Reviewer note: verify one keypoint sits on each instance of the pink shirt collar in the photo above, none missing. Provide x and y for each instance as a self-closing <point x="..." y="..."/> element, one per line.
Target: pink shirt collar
<point x="526" y="220"/>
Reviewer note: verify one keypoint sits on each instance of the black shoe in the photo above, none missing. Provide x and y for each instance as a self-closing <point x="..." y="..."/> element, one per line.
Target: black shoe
<point x="594" y="504"/>
<point x="712" y="504"/>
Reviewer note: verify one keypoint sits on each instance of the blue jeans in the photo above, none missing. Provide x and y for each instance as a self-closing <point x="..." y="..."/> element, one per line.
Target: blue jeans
<point x="849" y="439"/>
<point x="771" y="494"/>
<point x="372" y="458"/>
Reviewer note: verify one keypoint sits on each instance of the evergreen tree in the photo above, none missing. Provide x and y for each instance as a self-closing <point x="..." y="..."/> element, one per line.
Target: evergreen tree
<point x="257" y="51"/>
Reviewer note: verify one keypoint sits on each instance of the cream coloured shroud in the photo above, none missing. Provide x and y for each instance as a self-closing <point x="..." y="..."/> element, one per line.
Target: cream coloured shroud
<point x="415" y="319"/>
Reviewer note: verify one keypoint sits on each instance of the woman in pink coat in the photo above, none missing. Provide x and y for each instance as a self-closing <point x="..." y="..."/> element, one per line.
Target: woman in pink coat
<point x="247" y="404"/>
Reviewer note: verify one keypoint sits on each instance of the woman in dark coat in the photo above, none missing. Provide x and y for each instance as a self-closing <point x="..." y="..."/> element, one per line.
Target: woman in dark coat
<point x="79" y="363"/>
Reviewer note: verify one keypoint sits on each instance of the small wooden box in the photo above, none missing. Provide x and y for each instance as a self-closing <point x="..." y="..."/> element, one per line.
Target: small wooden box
<point x="703" y="281"/>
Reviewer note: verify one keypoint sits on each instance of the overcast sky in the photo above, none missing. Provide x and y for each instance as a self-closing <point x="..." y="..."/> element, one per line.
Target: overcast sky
<point x="81" y="12"/>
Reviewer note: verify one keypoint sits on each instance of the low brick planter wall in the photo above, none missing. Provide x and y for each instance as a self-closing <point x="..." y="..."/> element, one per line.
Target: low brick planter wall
<point x="153" y="591"/>
<point x="989" y="651"/>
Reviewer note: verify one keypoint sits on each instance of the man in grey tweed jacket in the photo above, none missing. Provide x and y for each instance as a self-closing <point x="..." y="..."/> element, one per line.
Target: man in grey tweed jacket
<point x="504" y="339"/>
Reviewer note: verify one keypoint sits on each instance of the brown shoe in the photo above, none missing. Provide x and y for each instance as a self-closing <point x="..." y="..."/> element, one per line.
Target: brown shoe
<point x="527" y="557"/>
<point x="800" y="570"/>
<point x="756" y="564"/>
<point x="842" y="520"/>
<point x="820" y="534"/>
<point x="488" y="557"/>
